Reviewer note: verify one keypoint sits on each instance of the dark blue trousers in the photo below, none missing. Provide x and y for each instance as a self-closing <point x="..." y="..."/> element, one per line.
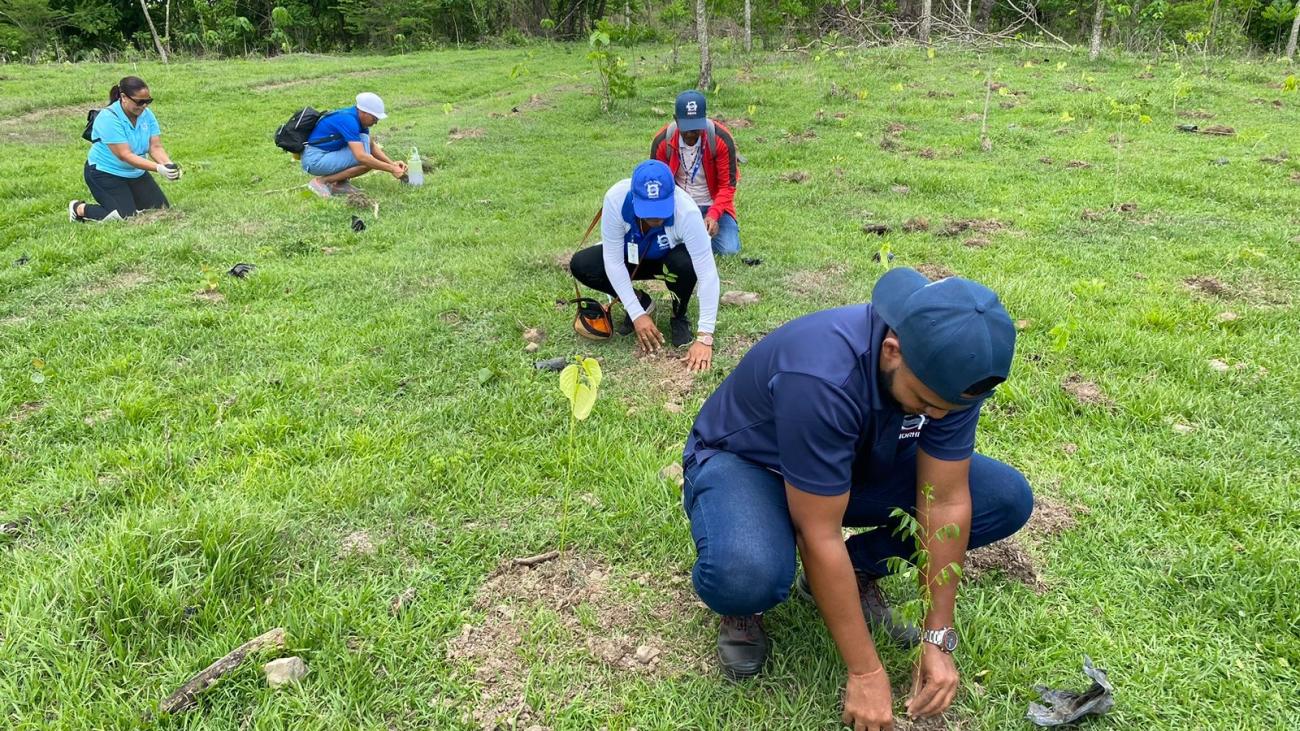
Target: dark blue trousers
<point x="744" y="540"/>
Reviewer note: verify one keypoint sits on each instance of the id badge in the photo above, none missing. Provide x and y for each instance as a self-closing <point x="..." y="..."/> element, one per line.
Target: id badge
<point x="633" y="253"/>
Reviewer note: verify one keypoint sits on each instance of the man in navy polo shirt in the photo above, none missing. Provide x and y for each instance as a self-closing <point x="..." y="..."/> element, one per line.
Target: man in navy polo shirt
<point x="832" y="421"/>
<point x="339" y="148"/>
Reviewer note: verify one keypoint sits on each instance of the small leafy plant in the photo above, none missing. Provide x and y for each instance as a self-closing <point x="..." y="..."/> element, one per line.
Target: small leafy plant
<point x="580" y="384"/>
<point x="615" y="80"/>
<point x="917" y="566"/>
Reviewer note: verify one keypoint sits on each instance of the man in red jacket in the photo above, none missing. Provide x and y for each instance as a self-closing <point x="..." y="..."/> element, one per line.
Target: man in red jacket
<point x="702" y="155"/>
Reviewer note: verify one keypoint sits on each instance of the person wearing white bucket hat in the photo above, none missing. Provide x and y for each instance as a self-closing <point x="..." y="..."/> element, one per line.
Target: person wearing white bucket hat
<point x="340" y="147"/>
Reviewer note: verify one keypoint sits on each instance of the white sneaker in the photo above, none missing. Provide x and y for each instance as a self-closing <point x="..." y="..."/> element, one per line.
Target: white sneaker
<point x="72" y="211"/>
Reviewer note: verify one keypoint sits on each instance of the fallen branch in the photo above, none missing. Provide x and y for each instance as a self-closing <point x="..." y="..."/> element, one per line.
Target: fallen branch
<point x="539" y="558"/>
<point x="184" y="697"/>
<point x="985" y="144"/>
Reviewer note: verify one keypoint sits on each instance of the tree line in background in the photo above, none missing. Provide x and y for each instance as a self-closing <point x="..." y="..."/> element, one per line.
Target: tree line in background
<point x="46" y="30"/>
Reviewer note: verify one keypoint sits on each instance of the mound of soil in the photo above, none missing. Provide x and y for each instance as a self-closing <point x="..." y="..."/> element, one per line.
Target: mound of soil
<point x="612" y="626"/>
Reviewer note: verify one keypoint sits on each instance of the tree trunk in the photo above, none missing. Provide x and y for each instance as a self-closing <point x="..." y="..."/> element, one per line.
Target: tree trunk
<point x="702" y="34"/>
<point x="1295" y="30"/>
<point x="982" y="18"/>
<point x="1098" y="18"/>
<point x="749" y="38"/>
<point x="167" y="25"/>
<point x="627" y="14"/>
<point x="1214" y="25"/>
<point x="923" y="30"/>
<point x="162" y="52"/>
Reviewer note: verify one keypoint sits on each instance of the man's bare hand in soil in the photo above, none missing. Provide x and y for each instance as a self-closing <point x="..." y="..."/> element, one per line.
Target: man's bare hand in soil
<point x="647" y="334"/>
<point x="934" y="684"/>
<point x="699" y="357"/>
<point x="868" y="702"/>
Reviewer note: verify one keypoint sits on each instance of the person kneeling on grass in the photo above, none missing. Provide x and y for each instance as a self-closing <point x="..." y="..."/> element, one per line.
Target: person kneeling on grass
<point x="116" y="168"/>
<point x="832" y="421"/>
<point x="340" y="148"/>
<point x="651" y="229"/>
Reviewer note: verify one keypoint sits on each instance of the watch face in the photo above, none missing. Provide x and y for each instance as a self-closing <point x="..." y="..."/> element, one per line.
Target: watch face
<point x="950" y="640"/>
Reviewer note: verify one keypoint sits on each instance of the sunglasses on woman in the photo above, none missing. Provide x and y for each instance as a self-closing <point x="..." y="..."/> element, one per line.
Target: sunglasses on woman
<point x="141" y="102"/>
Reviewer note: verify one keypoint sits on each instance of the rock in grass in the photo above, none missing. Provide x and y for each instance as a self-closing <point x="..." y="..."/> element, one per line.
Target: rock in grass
<point x="739" y="298"/>
<point x="1219" y="366"/>
<point x="284" y="671"/>
<point x="672" y="472"/>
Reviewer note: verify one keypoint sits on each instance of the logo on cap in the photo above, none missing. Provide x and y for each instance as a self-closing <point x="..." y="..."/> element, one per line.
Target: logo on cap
<point x="692" y="107"/>
<point x="652" y="190"/>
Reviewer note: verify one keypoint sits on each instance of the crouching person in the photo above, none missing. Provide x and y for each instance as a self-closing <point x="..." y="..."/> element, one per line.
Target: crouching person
<point x="650" y="229"/>
<point x="834" y="420"/>
<point x="125" y="146"/>
<point x="340" y="148"/>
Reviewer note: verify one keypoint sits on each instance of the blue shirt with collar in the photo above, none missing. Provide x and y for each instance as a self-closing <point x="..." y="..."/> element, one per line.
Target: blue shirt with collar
<point x="343" y="125"/>
<point x="807" y="402"/>
<point x="113" y="127"/>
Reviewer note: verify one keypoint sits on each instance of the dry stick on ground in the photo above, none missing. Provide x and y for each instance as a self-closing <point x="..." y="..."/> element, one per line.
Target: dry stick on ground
<point x="184" y="697"/>
<point x="539" y="558"/>
<point x="1046" y="32"/>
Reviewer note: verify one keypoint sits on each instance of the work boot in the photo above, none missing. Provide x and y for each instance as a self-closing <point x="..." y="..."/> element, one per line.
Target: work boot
<point x="647" y="304"/>
<point x="682" y="333"/>
<point x="874" y="607"/>
<point x="742" y="646"/>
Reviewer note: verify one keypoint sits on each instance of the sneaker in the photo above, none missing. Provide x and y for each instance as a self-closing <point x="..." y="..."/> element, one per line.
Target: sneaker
<point x="647" y="303"/>
<point x="742" y="646"/>
<point x="682" y="333"/>
<point x="72" y="211"/>
<point x="319" y="187"/>
<point x="874" y="607"/>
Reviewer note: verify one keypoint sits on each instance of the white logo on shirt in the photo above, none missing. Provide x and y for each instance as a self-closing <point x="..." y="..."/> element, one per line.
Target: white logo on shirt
<point x="912" y="425"/>
<point x="652" y="190"/>
<point x="692" y="107"/>
<point x="665" y="243"/>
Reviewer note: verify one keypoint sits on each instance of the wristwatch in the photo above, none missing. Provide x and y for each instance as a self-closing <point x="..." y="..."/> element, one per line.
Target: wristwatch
<point x="945" y="638"/>
<point x="705" y="338"/>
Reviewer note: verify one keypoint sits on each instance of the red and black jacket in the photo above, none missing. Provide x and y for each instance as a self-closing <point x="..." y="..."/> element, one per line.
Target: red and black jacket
<point x="721" y="169"/>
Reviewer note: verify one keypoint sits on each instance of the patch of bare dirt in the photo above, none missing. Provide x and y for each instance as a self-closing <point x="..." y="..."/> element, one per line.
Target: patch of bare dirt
<point x="1086" y="392"/>
<point x="357" y="543"/>
<point x="973" y="117"/>
<point x="72" y="111"/>
<point x="128" y="279"/>
<point x="736" y="123"/>
<point x="795" y="138"/>
<point x="1218" y="129"/>
<point x="661" y="374"/>
<point x="1007" y="557"/>
<point x="456" y="134"/>
<point x="211" y="296"/>
<point x="1078" y="165"/>
<point x="1277" y="159"/>
<point x="1047" y="161"/>
<point x="816" y="282"/>
<point x="900" y="189"/>
<point x="798" y="176"/>
<point x="976" y="242"/>
<point x="935" y="272"/>
<point x="917" y="225"/>
<point x="976" y="225"/>
<point x="156" y="215"/>
<point x="613" y="626"/>
<point x="1052" y="517"/>
<point x="928" y="153"/>
<point x="1207" y="285"/>
<point x="28" y="410"/>
<point x="739" y="298"/>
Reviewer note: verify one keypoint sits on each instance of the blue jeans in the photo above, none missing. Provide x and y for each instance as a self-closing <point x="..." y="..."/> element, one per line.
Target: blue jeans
<point x="324" y="164"/>
<point x="728" y="239"/>
<point x="744" y="540"/>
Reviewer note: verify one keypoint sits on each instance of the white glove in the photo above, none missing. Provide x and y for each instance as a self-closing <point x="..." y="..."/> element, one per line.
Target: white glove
<point x="171" y="173"/>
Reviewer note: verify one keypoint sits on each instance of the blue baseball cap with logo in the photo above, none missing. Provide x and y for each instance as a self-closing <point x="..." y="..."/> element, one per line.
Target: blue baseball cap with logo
<point x="691" y="114"/>
<point x="652" y="190"/>
<point x="954" y="333"/>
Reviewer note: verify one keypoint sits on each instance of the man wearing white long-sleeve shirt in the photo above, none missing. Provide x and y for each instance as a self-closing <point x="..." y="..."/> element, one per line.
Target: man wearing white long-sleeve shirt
<point x="651" y="229"/>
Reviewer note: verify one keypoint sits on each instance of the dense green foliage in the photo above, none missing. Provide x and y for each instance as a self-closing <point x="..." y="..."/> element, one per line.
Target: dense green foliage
<point x="94" y="29"/>
<point x="179" y="470"/>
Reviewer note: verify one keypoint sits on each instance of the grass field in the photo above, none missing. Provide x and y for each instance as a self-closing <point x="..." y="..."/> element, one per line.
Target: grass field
<point x="185" y="468"/>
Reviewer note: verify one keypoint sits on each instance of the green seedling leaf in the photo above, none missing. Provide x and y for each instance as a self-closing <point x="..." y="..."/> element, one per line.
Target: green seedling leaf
<point x="579" y="382"/>
<point x="484" y="375"/>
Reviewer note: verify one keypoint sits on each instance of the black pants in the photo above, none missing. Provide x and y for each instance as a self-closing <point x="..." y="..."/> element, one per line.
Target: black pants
<point x="127" y="196"/>
<point x="588" y="267"/>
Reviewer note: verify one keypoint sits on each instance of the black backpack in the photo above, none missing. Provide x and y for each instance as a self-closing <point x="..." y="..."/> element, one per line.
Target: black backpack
<point x="292" y="136"/>
<point x="88" y="133"/>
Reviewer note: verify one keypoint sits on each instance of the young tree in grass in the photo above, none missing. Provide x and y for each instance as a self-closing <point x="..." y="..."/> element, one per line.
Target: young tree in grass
<point x="1098" y="18"/>
<point x="923" y="30"/>
<point x="702" y="33"/>
<point x="157" y="43"/>
<point x="1295" y="29"/>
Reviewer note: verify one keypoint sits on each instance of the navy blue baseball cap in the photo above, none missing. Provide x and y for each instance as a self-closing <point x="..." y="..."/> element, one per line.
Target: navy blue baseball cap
<point x="652" y="190"/>
<point x="954" y="333"/>
<point x="691" y="113"/>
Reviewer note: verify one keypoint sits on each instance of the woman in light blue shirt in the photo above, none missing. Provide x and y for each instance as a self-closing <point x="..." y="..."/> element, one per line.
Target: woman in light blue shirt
<point x="117" y="170"/>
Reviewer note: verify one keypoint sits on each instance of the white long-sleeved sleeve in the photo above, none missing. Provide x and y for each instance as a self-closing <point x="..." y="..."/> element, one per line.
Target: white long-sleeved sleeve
<point x="690" y="226"/>
<point x="612" y="230"/>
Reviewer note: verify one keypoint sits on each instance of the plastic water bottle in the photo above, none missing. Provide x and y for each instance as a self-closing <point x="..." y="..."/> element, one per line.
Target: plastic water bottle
<point x="414" y="169"/>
